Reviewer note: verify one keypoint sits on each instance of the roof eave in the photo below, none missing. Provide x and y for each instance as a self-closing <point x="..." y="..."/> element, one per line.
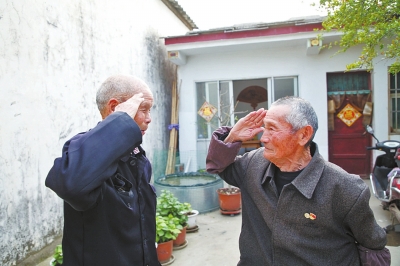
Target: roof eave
<point x="230" y="33"/>
<point x="180" y="13"/>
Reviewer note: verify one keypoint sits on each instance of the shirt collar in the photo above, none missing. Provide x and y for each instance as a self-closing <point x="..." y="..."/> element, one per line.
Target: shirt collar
<point x="269" y="173"/>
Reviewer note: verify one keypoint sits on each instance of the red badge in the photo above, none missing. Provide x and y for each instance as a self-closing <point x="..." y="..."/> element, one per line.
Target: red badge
<point x="310" y="216"/>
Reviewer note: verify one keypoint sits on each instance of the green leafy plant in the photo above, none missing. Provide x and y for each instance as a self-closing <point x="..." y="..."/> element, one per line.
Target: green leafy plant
<point x="370" y="24"/>
<point x="167" y="228"/>
<point x="58" y="256"/>
<point x="169" y="206"/>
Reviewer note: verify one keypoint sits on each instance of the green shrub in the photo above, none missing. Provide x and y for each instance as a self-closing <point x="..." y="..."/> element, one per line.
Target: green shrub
<point x="167" y="228"/>
<point x="169" y="205"/>
<point x="58" y="256"/>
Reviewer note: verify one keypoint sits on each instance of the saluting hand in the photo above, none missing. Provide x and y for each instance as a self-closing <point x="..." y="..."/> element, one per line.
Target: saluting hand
<point x="247" y="127"/>
<point x="131" y="105"/>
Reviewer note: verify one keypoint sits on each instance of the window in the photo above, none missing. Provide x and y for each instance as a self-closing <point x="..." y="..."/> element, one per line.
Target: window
<point x="284" y="86"/>
<point x="394" y="108"/>
<point x="218" y="94"/>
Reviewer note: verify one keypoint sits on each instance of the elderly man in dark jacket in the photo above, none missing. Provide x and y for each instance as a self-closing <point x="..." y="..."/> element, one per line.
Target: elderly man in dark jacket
<point x="298" y="209"/>
<point x="103" y="177"/>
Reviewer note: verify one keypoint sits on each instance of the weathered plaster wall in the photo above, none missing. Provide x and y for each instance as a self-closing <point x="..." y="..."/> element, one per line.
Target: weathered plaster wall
<point x="53" y="58"/>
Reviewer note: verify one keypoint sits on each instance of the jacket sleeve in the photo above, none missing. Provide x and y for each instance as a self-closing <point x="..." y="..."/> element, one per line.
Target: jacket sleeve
<point x="362" y="223"/>
<point x="90" y="158"/>
<point x="221" y="157"/>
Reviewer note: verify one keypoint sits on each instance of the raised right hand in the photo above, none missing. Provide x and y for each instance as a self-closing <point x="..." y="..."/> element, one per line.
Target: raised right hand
<point x="247" y="127"/>
<point x="131" y="105"/>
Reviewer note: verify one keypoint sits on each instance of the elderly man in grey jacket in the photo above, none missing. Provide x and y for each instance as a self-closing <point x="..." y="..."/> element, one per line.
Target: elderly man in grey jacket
<point x="298" y="209"/>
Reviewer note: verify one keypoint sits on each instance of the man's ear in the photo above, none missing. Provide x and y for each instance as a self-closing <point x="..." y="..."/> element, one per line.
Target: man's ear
<point x="305" y="134"/>
<point x="112" y="103"/>
<point x="110" y="107"/>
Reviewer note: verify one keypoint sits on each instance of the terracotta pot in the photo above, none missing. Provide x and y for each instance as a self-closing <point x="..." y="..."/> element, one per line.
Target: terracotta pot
<point x="164" y="251"/>
<point x="229" y="199"/>
<point x="181" y="238"/>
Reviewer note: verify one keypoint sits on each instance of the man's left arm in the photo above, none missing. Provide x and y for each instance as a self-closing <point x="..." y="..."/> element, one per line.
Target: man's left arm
<point x="362" y="223"/>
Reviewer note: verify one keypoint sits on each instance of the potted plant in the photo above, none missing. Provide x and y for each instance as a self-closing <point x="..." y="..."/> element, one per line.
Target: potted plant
<point x="168" y="205"/>
<point x="167" y="229"/>
<point x="230" y="200"/>
<point x="192" y="223"/>
<point x="57" y="256"/>
<point x="180" y="213"/>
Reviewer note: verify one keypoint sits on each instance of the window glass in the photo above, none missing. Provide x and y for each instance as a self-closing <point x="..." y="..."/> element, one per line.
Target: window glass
<point x="218" y="94"/>
<point x="394" y="90"/>
<point x="202" y="131"/>
<point x="394" y="82"/>
<point x="206" y="92"/>
<point x="286" y="86"/>
<point x="395" y="115"/>
<point x="226" y="102"/>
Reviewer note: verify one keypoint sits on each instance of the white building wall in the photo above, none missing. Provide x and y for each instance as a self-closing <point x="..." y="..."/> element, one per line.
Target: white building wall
<point x="53" y="57"/>
<point x="262" y="63"/>
<point x="380" y="81"/>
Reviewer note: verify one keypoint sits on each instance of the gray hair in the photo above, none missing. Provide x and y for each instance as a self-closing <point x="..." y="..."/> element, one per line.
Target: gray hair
<point x="120" y="87"/>
<point x="301" y="114"/>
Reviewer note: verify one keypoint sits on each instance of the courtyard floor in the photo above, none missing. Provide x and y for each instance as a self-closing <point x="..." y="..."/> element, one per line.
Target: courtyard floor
<point x="216" y="241"/>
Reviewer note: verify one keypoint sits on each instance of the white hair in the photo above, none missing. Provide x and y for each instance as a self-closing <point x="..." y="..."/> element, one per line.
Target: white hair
<point x="120" y="87"/>
<point x="301" y="114"/>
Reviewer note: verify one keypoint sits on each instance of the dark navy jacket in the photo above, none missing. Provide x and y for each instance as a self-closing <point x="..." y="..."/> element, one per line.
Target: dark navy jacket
<point x="109" y="205"/>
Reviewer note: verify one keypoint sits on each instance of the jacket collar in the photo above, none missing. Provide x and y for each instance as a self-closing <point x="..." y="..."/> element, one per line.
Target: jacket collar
<point x="308" y="179"/>
<point x="311" y="174"/>
<point x="136" y="152"/>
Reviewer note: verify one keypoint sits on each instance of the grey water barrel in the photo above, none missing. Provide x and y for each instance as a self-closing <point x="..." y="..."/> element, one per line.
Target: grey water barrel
<point x="197" y="188"/>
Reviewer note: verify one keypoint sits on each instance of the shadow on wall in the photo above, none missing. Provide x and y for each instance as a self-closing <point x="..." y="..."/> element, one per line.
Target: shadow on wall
<point x="160" y="75"/>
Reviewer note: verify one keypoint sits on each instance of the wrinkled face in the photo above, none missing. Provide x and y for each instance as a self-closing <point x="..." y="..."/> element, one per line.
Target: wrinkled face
<point x="142" y="117"/>
<point x="278" y="138"/>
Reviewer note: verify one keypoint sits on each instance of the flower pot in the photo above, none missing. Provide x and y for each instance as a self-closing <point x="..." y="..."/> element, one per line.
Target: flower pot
<point x="164" y="251"/>
<point x="181" y="238"/>
<point x="230" y="200"/>
<point x="52" y="262"/>
<point x="192" y="219"/>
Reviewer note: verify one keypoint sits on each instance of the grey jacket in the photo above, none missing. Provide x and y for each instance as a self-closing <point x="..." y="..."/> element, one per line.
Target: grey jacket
<point x="316" y="220"/>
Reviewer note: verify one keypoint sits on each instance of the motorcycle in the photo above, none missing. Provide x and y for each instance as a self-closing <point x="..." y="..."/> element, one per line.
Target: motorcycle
<point x="385" y="176"/>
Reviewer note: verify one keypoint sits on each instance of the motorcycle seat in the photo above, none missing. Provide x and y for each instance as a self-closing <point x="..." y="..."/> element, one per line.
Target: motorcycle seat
<point x="380" y="173"/>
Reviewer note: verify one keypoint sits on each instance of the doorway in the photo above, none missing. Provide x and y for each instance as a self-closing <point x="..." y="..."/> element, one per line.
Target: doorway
<point x="348" y="95"/>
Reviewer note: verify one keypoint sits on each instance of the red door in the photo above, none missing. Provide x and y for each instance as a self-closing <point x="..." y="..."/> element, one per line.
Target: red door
<point x="347" y="147"/>
<point x="348" y="141"/>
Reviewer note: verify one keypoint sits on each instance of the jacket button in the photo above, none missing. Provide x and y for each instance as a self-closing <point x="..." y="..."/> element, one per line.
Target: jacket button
<point x="133" y="162"/>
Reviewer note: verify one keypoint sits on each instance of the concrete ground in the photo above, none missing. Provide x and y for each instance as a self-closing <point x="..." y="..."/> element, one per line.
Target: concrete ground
<point x="216" y="241"/>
